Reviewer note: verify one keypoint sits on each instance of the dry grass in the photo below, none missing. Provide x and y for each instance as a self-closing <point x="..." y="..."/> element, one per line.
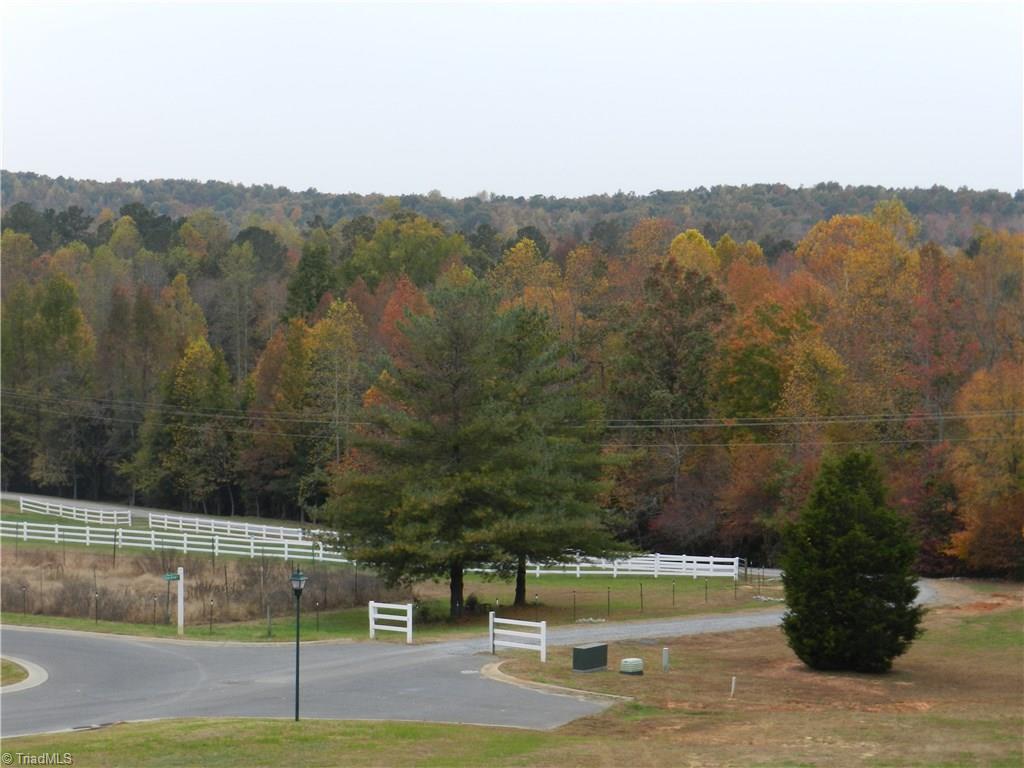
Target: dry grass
<point x="954" y="699"/>
<point x="64" y="583"/>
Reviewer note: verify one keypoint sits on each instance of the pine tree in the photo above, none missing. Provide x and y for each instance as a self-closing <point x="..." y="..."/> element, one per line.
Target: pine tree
<point x="470" y="461"/>
<point x="847" y="573"/>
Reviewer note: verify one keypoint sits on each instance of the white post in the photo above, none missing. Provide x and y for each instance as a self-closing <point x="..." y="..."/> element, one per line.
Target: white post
<point x="120" y="538"/>
<point x="372" y="633"/>
<point x="56" y="533"/>
<point x="657" y="562"/>
<point x="24" y="531"/>
<point x="184" y="540"/>
<point x="152" y="539"/>
<point x="615" y="569"/>
<point x="408" y="623"/>
<point x="543" y="642"/>
<point x="181" y="601"/>
<point x="87" y="535"/>
<point x="577" y="569"/>
<point x="490" y="630"/>
<point x="216" y="545"/>
<point x="286" y="549"/>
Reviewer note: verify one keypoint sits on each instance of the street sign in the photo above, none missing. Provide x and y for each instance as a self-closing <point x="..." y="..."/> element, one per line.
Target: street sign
<point x="171" y="577"/>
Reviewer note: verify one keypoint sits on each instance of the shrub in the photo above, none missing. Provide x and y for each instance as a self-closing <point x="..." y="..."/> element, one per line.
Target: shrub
<point x="847" y="573"/>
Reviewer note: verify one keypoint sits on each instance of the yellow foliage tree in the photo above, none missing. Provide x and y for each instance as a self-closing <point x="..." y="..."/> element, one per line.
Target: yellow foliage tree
<point x="691" y="250"/>
<point x="988" y="470"/>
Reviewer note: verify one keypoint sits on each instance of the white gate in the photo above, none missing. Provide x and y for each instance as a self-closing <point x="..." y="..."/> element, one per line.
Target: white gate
<point x="404" y="617"/>
<point x="538" y="639"/>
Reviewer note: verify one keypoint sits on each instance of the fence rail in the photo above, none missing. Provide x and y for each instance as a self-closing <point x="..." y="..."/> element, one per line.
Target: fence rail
<point x="643" y="565"/>
<point x="402" y="612"/>
<point x="229" y="528"/>
<point x="538" y="639"/>
<point x="214" y="542"/>
<point x="81" y="514"/>
<point x="186" y="542"/>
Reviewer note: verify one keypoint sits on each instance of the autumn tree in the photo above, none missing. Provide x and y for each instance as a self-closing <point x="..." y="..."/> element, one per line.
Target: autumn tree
<point x="988" y="470"/>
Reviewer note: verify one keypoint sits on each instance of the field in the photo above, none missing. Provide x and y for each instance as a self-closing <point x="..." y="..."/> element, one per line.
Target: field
<point x="953" y="700"/>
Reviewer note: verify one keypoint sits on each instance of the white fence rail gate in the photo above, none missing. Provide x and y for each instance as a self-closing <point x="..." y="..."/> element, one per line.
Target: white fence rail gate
<point x="82" y="514"/>
<point x="537" y="640"/>
<point x="402" y="613"/>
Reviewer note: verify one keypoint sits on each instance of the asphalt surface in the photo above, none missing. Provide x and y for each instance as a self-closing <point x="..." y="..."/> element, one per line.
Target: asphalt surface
<point x="96" y="679"/>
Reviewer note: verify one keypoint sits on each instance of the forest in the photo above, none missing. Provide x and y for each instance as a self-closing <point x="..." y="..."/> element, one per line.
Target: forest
<point x="681" y="361"/>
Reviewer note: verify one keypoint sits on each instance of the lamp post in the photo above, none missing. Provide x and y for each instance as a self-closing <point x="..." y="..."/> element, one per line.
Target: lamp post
<point x="298" y="582"/>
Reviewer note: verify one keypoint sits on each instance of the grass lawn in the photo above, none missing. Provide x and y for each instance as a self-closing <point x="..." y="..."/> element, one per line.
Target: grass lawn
<point x="11" y="673"/>
<point x="953" y="700"/>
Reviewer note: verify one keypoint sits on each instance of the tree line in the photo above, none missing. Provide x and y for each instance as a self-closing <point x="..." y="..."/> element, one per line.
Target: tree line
<point x="502" y="393"/>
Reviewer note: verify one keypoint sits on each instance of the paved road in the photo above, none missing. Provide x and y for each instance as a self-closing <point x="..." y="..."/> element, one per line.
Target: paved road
<point x="95" y="679"/>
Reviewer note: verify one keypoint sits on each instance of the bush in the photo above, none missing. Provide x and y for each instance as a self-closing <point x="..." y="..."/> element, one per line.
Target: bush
<point x="847" y="573"/>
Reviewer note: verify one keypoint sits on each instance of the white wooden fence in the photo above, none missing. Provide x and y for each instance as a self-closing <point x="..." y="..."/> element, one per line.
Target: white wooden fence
<point x="189" y="534"/>
<point x="643" y="565"/>
<point x="538" y="640"/>
<point x="403" y="615"/>
<point x="198" y="543"/>
<point x="82" y="514"/>
<point x="228" y="527"/>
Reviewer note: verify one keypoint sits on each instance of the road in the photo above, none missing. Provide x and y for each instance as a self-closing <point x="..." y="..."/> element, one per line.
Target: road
<point x="95" y="679"/>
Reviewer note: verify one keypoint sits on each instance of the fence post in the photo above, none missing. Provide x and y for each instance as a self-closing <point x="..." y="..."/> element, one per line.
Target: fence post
<point x="184" y="539"/>
<point x="408" y="623"/>
<point x="657" y="563"/>
<point x="372" y="607"/>
<point x="152" y="539"/>
<point x="286" y="549"/>
<point x="577" y="569"/>
<point x="87" y="536"/>
<point x="216" y="545"/>
<point x="490" y="629"/>
<point x="120" y="538"/>
<point x="543" y="642"/>
<point x="615" y="569"/>
<point x="56" y="533"/>
<point x="252" y="547"/>
<point x="24" y="531"/>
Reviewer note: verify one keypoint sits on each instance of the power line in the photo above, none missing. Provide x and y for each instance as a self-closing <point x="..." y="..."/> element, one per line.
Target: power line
<point x="610" y="444"/>
<point x="612" y="424"/>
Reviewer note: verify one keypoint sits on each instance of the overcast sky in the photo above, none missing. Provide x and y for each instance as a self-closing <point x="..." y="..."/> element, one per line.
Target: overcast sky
<point x="517" y="98"/>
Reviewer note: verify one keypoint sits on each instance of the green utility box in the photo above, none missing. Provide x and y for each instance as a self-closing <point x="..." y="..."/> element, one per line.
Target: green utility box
<point x="590" y="658"/>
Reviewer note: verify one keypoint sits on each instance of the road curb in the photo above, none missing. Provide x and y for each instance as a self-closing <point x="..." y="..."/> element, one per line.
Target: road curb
<point x="492" y="671"/>
<point x="36" y="676"/>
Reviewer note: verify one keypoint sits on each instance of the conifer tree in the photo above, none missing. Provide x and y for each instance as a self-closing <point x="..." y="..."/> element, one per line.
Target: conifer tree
<point x="847" y="573"/>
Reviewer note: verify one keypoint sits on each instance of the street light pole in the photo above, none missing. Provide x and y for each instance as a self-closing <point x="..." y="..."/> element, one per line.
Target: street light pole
<point x="298" y="582"/>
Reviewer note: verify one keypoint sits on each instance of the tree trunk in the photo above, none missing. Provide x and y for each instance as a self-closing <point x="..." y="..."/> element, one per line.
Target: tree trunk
<point x="521" y="581"/>
<point x="455" y="589"/>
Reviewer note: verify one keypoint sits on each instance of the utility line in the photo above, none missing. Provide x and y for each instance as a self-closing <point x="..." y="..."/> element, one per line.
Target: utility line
<point x="609" y="444"/>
